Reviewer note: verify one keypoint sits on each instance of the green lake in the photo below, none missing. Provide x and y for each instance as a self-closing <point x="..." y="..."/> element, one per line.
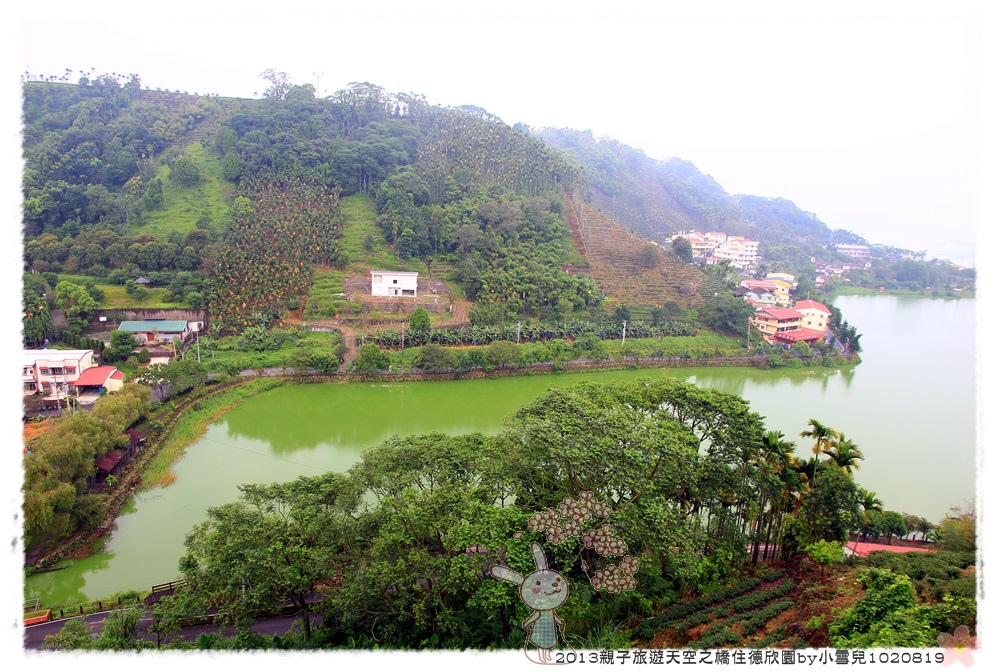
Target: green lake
<point x="910" y="406"/>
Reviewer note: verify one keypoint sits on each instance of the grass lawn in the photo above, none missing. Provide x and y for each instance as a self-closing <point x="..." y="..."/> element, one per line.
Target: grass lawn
<point x="182" y="206"/>
<point x="359" y="221"/>
<point x="115" y="296"/>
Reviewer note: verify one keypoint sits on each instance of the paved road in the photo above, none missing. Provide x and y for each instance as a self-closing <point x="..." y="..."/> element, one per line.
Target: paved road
<point x="34" y="635"/>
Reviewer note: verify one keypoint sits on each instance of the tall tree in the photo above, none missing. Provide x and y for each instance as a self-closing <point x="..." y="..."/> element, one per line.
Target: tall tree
<point x="845" y="454"/>
<point x="824" y="438"/>
<point x="278" y="543"/>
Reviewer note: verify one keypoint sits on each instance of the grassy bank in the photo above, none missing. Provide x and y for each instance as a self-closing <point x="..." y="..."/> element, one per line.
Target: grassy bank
<point x="917" y="294"/>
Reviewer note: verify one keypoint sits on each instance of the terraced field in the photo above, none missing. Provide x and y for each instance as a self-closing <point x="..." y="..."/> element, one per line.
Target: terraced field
<point x="629" y="269"/>
<point x="733" y="617"/>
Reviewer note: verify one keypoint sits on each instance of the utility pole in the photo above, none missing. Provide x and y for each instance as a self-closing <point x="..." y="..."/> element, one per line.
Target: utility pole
<point x="519" y="332"/>
<point x="197" y="345"/>
<point x="402" y="337"/>
<point x="623" y="333"/>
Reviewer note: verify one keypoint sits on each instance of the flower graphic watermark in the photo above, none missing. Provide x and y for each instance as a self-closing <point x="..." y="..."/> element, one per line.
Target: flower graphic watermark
<point x="544" y="590"/>
<point x="958" y="646"/>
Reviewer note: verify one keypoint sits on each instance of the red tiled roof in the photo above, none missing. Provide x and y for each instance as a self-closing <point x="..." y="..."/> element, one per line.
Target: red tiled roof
<point x="97" y="375"/>
<point x="759" y="284"/>
<point x="117" y="375"/>
<point x="797" y="335"/>
<point x="108" y="462"/>
<point x="781" y="313"/>
<point x="812" y="305"/>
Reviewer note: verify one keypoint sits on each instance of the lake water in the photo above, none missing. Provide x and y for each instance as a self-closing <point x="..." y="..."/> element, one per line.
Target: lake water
<point x="910" y="406"/>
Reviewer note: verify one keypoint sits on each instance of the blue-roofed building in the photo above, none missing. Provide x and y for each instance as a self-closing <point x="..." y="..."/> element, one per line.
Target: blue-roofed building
<point x="156" y="331"/>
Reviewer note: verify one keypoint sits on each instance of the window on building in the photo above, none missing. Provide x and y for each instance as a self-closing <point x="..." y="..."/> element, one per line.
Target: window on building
<point x="28" y="371"/>
<point x="377" y="279"/>
<point x="44" y="370"/>
<point x="29" y="387"/>
<point x="56" y="371"/>
<point x="395" y="281"/>
<point x="70" y="370"/>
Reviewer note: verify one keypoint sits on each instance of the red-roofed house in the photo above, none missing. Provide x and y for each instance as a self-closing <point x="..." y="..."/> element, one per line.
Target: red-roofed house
<point x="771" y="321"/>
<point x="96" y="380"/>
<point x="814" y="315"/>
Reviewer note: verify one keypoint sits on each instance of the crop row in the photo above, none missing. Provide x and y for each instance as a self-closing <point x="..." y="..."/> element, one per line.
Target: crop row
<point x="748" y="622"/>
<point x="485" y="334"/>
<point x="695" y="606"/>
<point x="704" y="609"/>
<point x="739" y="605"/>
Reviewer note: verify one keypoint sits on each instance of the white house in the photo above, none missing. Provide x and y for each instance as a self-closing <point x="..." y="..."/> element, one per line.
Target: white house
<point x="394" y="283"/>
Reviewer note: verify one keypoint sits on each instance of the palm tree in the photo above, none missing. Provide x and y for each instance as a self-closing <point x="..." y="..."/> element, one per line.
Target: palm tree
<point x="845" y="454"/>
<point x="824" y="436"/>
<point x="869" y="502"/>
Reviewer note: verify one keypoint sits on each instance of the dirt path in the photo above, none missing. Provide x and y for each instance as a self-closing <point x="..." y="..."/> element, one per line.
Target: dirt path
<point x="350" y="340"/>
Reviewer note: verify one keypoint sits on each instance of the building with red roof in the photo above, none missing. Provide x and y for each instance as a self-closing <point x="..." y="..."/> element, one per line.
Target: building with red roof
<point x="814" y="315"/>
<point x="797" y="335"/>
<point x="771" y="321"/>
<point x="97" y="380"/>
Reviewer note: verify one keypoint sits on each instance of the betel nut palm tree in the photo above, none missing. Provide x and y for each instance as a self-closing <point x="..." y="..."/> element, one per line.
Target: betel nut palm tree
<point x="845" y="454"/>
<point x="824" y="438"/>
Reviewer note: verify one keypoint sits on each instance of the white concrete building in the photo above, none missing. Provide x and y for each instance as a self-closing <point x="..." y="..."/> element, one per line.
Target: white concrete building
<point x="50" y="371"/>
<point x="856" y="251"/>
<point x="740" y="251"/>
<point x="394" y="283"/>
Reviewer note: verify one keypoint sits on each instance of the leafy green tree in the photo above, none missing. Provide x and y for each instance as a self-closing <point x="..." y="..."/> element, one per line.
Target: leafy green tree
<point x="825" y="553"/>
<point x="681" y="247"/>
<point x="845" y="454"/>
<point x="420" y="320"/>
<point x="122" y="345"/>
<point x="503" y="354"/>
<point x="895" y="524"/>
<point x="486" y="314"/>
<point x="73" y="636"/>
<point x="299" y="359"/>
<point x="830" y="511"/>
<point x="434" y="358"/>
<point x="371" y="358"/>
<point x="957" y="531"/>
<point x="185" y="171"/>
<point x="78" y="305"/>
<point x="121" y="631"/>
<point x="278" y="543"/>
<point x="727" y="314"/>
<point x="36" y="318"/>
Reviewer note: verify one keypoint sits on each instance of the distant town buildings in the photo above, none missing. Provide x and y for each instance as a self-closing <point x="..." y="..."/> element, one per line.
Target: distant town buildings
<point x="855" y="251"/>
<point x="716" y="247"/>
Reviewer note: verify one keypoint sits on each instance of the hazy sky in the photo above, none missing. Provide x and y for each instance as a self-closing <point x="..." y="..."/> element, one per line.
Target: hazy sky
<point x="866" y="117"/>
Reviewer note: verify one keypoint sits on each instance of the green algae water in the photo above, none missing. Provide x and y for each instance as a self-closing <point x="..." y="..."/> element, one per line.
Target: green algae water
<point x="910" y="406"/>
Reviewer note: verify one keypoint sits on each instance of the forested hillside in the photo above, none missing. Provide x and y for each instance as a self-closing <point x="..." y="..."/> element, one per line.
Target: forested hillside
<point x="122" y="182"/>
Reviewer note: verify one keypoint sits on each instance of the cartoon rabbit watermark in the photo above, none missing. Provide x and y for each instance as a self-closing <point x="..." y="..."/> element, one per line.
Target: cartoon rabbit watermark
<point x="544" y="590"/>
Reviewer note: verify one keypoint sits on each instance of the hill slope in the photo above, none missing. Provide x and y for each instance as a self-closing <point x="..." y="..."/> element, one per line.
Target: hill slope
<point x="627" y="268"/>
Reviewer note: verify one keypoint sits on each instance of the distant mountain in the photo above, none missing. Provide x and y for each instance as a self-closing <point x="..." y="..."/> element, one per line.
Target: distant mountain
<point x="660" y="198"/>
